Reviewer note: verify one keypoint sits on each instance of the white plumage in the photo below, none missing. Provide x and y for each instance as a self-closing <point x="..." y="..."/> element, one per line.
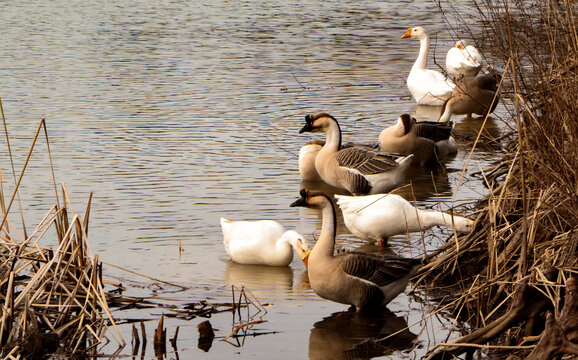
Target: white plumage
<point x="261" y="242"/>
<point x="463" y="60"/>
<point x="377" y="217"/>
<point x="428" y="87"/>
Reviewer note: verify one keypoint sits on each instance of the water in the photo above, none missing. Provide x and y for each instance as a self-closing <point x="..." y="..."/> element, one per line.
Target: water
<point x="175" y="113"/>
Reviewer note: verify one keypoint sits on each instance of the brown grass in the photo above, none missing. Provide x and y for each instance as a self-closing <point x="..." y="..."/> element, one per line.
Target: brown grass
<point x="527" y="229"/>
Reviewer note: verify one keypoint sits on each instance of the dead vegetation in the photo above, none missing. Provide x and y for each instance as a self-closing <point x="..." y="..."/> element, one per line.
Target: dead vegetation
<point x="519" y="261"/>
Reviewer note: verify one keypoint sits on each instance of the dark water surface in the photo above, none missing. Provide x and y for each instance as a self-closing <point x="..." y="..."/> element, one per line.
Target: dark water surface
<point x="175" y="113"/>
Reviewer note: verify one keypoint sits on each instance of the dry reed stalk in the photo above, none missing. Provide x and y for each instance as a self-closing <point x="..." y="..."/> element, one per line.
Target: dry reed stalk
<point x="527" y="230"/>
<point x="51" y="297"/>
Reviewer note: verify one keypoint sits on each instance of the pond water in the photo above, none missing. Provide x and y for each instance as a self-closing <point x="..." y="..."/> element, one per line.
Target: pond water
<point x="175" y="113"/>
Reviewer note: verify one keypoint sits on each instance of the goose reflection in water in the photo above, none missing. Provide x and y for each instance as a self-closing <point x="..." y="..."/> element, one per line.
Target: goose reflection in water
<point x="260" y="278"/>
<point x="358" y="335"/>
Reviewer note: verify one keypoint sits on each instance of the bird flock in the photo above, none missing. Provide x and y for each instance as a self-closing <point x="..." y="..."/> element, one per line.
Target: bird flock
<point x="368" y="172"/>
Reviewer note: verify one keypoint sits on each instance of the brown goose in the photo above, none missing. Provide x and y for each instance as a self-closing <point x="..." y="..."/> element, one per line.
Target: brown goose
<point x="472" y="95"/>
<point x="359" y="279"/>
<point x="357" y="169"/>
<point x="308" y="154"/>
<point x="428" y="141"/>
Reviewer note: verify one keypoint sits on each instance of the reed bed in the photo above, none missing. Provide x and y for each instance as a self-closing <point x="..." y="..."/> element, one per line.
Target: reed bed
<point x="52" y="298"/>
<point x="518" y="264"/>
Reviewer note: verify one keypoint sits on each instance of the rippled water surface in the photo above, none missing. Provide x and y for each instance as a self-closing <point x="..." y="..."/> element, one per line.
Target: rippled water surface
<point x="175" y="113"/>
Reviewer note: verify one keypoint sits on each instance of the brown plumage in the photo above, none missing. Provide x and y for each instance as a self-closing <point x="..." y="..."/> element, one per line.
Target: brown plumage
<point x="473" y="95"/>
<point x="428" y="141"/>
<point x="359" y="279"/>
<point x="357" y="169"/>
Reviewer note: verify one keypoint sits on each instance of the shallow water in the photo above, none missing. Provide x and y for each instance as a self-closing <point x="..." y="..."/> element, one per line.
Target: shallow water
<point x="176" y="113"/>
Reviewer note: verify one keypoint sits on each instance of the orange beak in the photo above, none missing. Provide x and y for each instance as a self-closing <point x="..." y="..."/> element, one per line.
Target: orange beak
<point x="407" y="34"/>
<point x="305" y="258"/>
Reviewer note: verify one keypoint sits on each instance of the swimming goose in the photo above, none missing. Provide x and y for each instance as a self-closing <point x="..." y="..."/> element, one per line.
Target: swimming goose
<point x="428" y="87"/>
<point x="308" y="154"/>
<point x="359" y="279"/>
<point x="357" y="169"/>
<point x="262" y="242"/>
<point x="377" y="217"/>
<point x="463" y="60"/>
<point x="428" y="141"/>
<point x="472" y="95"/>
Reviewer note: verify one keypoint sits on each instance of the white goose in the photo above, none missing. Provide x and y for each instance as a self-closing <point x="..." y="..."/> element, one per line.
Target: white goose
<point x="428" y="141"/>
<point x="357" y="169"/>
<point x="428" y="87"/>
<point x="377" y="217"/>
<point x="262" y="242"/>
<point x="359" y="279"/>
<point x="463" y="60"/>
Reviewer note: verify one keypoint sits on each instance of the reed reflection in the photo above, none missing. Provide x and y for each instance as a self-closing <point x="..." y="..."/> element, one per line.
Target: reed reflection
<point x="358" y="335"/>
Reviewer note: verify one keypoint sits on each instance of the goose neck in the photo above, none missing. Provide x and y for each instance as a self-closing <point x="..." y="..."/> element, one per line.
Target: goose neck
<point x="421" y="61"/>
<point x="333" y="137"/>
<point x="326" y="243"/>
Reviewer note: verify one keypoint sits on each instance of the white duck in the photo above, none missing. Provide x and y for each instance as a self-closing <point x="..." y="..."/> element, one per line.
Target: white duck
<point x="359" y="279"/>
<point x="356" y="169"/>
<point x="428" y="87"/>
<point x="377" y="217"/>
<point x="262" y="242"/>
<point x="463" y="60"/>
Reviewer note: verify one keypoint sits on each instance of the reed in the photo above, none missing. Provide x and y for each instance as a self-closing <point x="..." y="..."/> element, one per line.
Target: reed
<point x="50" y="297"/>
<point x="517" y="262"/>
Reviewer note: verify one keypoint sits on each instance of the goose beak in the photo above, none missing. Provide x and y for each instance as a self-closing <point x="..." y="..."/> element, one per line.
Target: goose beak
<point x="305" y="258"/>
<point x="299" y="202"/>
<point x="306" y="128"/>
<point x="407" y="34"/>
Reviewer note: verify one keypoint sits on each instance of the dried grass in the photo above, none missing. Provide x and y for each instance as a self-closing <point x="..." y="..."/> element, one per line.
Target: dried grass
<point x="51" y="297"/>
<point x="527" y="229"/>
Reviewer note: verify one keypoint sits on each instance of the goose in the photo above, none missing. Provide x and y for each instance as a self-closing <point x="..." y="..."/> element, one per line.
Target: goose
<point x="463" y="60"/>
<point x="308" y="154"/>
<point x="359" y="279"/>
<point x="356" y="169"/>
<point x="262" y="242"/>
<point x="428" y="87"/>
<point x="473" y="95"/>
<point x="377" y="217"/>
<point x="428" y="141"/>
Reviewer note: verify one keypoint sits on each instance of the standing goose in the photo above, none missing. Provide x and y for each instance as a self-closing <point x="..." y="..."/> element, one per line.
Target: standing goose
<point x="473" y="95"/>
<point x="357" y="169"/>
<point x="377" y="217"/>
<point x="262" y="242"/>
<point x="358" y="279"/>
<point x="463" y="60"/>
<point x="428" y="87"/>
<point x="428" y="141"/>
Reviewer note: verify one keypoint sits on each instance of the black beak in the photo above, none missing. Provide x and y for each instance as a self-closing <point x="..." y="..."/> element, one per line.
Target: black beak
<point x="302" y="201"/>
<point x="307" y="128"/>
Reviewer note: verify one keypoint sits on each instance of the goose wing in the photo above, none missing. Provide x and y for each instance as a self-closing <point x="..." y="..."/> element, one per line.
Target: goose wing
<point x="433" y="130"/>
<point x="365" y="161"/>
<point x="380" y="270"/>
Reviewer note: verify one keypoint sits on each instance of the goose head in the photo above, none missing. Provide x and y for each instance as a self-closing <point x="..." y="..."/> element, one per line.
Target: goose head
<point x="311" y="199"/>
<point x="463" y="225"/>
<point x="299" y="244"/>
<point x="416" y="33"/>
<point x="318" y="123"/>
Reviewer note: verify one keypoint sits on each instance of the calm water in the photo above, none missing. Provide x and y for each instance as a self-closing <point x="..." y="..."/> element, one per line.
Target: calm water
<point x="175" y="113"/>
